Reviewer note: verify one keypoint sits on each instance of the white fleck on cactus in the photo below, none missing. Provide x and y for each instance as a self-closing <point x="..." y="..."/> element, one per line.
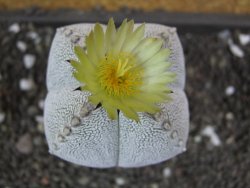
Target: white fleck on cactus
<point x="79" y="132"/>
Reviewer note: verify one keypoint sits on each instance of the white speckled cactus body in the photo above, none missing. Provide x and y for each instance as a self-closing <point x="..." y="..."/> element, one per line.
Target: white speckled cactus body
<point x="78" y="132"/>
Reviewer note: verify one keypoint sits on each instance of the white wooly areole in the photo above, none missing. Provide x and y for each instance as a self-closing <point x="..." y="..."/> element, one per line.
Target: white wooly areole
<point x="78" y="132"/>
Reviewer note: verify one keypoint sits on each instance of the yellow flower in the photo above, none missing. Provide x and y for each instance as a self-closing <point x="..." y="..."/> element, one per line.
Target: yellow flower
<point x="123" y="70"/>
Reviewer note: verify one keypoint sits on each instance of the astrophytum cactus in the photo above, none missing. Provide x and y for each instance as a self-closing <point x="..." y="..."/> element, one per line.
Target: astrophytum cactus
<point x="89" y="134"/>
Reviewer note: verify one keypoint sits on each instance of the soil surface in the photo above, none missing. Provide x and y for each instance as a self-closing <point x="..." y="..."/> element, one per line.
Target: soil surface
<point x="218" y="89"/>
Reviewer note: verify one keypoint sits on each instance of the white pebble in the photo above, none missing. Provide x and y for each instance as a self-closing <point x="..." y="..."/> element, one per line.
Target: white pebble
<point x="14" y="28"/>
<point x="230" y="90"/>
<point x="229" y="116"/>
<point x="197" y="139"/>
<point x="120" y="181"/>
<point x="40" y="127"/>
<point x="154" y="185"/>
<point x="224" y="35"/>
<point x="244" y="39"/>
<point x="24" y="144"/>
<point x="26" y="84"/>
<point x="167" y="172"/>
<point x="2" y="117"/>
<point x="34" y="36"/>
<point x="236" y="50"/>
<point x="41" y="104"/>
<point x="214" y="138"/>
<point x="22" y="46"/>
<point x="39" y="119"/>
<point x="29" y="60"/>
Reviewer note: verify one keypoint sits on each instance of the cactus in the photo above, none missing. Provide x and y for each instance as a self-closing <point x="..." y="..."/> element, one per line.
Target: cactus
<point x="79" y="132"/>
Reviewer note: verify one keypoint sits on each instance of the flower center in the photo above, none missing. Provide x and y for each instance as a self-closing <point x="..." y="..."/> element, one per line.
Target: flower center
<point x="119" y="76"/>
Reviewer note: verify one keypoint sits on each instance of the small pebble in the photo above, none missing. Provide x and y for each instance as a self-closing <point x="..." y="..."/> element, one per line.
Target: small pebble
<point x="236" y="50"/>
<point x="14" y="28"/>
<point x="244" y="39"/>
<point x="61" y="164"/>
<point x="210" y="132"/>
<point x="230" y="90"/>
<point x="40" y="127"/>
<point x="45" y="181"/>
<point x="229" y="116"/>
<point x="32" y="111"/>
<point x="22" y="46"/>
<point x="197" y="139"/>
<point x="154" y="185"/>
<point x="41" y="104"/>
<point x="29" y="60"/>
<point x="120" y="181"/>
<point x="224" y="35"/>
<point x="167" y="172"/>
<point x="1" y="77"/>
<point x="24" y="144"/>
<point x="26" y="84"/>
<point x="3" y="128"/>
<point x="34" y="36"/>
<point x="37" y="141"/>
<point x="83" y="180"/>
<point x="2" y="117"/>
<point x="39" y="119"/>
<point x="230" y="140"/>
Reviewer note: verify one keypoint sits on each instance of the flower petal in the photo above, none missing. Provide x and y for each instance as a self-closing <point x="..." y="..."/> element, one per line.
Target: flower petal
<point x="120" y="37"/>
<point x="134" y="39"/>
<point x="160" y="56"/>
<point x="110" y="35"/>
<point x="75" y="64"/>
<point x="141" y="106"/>
<point x="148" y="48"/>
<point x="90" y="44"/>
<point x="112" y="112"/>
<point x="130" y="113"/>
<point x="158" y="69"/>
<point x="84" y="60"/>
<point x="99" y="41"/>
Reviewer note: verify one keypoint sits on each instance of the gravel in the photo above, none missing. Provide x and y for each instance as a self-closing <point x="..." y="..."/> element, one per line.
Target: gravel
<point x="230" y="90"/>
<point x="211" y="134"/>
<point x="236" y="50"/>
<point x="211" y="68"/>
<point x="26" y="84"/>
<point x="29" y="60"/>
<point x="244" y="39"/>
<point x="14" y="28"/>
<point x="2" y="117"/>
<point x="22" y="46"/>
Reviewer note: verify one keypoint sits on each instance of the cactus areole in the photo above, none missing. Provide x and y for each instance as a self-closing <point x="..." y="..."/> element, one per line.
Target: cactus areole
<point x="116" y="95"/>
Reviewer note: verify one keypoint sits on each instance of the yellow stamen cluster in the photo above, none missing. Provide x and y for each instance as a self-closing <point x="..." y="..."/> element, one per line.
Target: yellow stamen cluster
<point x="118" y="75"/>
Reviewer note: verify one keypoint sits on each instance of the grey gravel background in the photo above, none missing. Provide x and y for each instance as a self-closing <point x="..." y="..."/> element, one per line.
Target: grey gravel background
<point x="218" y="88"/>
